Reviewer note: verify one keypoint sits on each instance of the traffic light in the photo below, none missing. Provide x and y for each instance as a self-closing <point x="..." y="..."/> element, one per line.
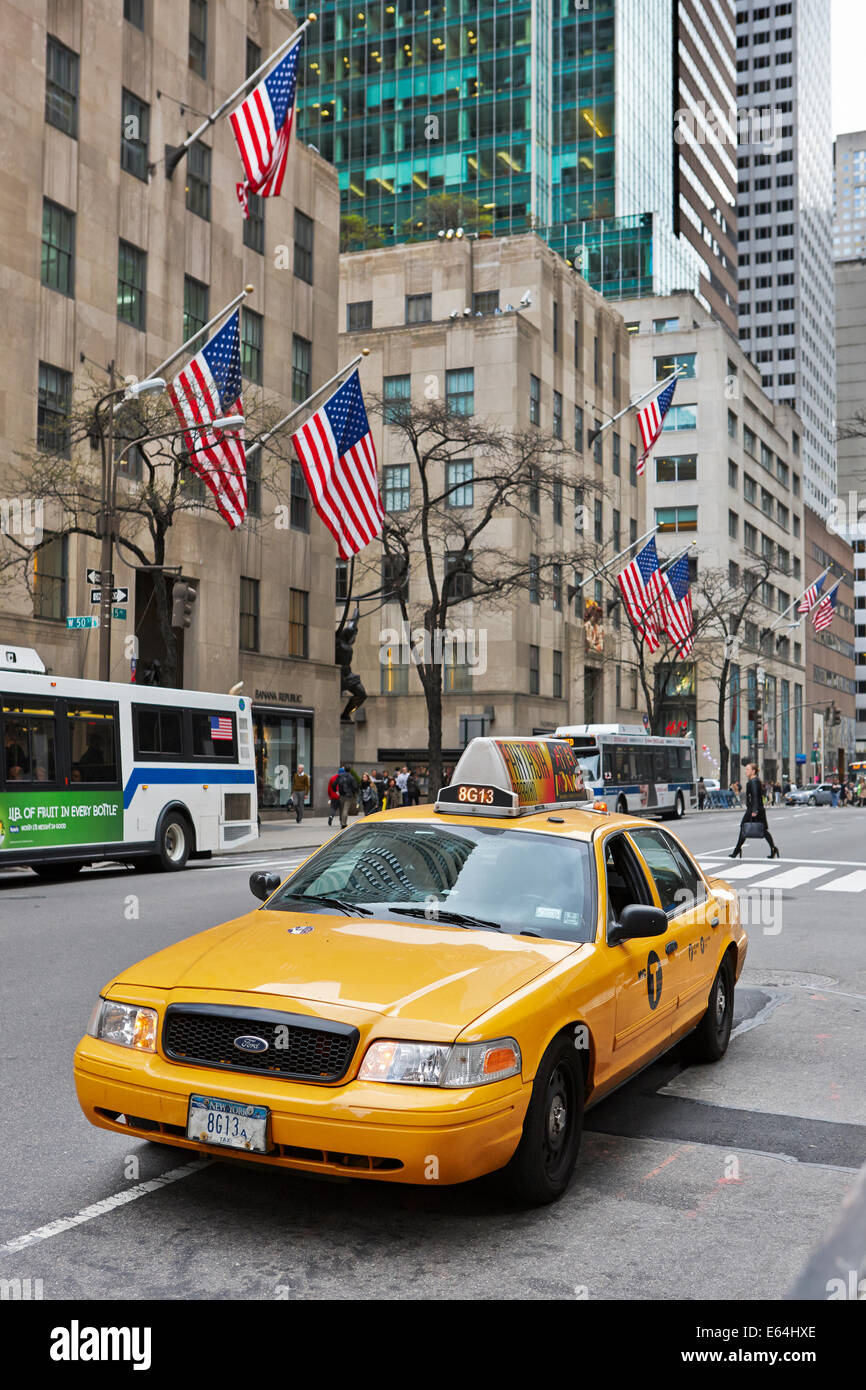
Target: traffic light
<point x="183" y="596"/>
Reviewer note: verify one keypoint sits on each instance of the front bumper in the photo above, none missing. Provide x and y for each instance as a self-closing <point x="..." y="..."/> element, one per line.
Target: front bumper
<point x="408" y="1134"/>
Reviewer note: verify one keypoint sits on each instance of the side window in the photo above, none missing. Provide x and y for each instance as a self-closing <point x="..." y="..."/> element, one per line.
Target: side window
<point x="625" y="878"/>
<point x="158" y="732"/>
<point x="92" y="742"/>
<point x="213" y="736"/>
<point x="29" y="741"/>
<point x="691" y="878"/>
<point x="668" y="878"/>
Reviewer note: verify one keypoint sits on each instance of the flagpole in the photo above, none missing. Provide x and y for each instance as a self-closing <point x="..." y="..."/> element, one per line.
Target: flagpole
<point x="663" y="569"/>
<point x="659" y="386"/>
<point x="175" y="153"/>
<point x="260" y="443"/>
<point x="606" y="566"/>
<point x="798" y="600"/>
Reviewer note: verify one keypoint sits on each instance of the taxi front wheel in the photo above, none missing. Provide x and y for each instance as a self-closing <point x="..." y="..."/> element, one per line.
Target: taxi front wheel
<point x="709" y="1041"/>
<point x="543" y="1163"/>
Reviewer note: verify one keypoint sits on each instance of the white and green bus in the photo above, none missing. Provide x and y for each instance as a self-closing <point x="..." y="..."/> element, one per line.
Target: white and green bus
<point x="635" y="772"/>
<point x="96" y="770"/>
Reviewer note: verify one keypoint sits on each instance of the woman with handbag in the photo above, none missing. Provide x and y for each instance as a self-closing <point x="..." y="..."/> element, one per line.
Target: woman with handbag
<point x="754" y="826"/>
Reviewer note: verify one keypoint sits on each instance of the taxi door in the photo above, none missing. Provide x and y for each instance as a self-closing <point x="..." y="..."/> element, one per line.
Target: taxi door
<point x="645" y="1003"/>
<point x="693" y="917"/>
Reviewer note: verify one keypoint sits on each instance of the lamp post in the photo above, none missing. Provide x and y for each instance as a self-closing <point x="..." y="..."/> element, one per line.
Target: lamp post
<point x="107" y="527"/>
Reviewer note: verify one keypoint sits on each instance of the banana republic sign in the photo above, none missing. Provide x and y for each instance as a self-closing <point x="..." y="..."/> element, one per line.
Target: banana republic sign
<point x="278" y="697"/>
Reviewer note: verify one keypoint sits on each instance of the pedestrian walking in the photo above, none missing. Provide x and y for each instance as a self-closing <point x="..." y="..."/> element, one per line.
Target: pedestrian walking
<point x="702" y="793"/>
<point x="391" y="796"/>
<point x="402" y="780"/>
<point x="333" y="796"/>
<point x="754" y="826"/>
<point x="413" y="790"/>
<point x="347" y="788"/>
<point x="369" y="795"/>
<point x="300" y="792"/>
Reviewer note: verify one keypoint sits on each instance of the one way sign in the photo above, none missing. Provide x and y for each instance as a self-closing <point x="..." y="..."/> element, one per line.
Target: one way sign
<point x="95" y="577"/>
<point x="117" y="595"/>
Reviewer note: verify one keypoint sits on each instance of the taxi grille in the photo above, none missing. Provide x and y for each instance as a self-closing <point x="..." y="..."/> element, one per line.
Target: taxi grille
<point x="299" y="1048"/>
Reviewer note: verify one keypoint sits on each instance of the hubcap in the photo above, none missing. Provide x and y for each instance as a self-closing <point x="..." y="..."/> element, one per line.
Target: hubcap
<point x="721" y="1004"/>
<point x="174" y="842"/>
<point x="559" y="1125"/>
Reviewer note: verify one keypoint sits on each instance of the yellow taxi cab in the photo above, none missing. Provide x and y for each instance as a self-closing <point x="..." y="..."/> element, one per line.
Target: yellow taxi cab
<point x="436" y="994"/>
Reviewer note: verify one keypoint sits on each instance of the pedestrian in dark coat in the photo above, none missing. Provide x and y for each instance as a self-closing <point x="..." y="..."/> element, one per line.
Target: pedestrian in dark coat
<point x="756" y="815"/>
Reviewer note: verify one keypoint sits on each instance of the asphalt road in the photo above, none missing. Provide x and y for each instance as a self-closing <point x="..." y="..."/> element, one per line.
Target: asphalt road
<point x="694" y="1182"/>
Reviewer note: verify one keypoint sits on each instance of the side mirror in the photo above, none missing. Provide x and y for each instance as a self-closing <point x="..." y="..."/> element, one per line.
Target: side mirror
<point x="637" y="920"/>
<point x="263" y="883"/>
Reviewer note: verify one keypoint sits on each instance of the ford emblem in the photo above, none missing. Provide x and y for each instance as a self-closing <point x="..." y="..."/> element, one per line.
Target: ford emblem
<point x="250" y="1043"/>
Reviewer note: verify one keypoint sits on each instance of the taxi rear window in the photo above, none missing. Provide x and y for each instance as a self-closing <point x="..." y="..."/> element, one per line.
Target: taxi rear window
<point x="516" y="881"/>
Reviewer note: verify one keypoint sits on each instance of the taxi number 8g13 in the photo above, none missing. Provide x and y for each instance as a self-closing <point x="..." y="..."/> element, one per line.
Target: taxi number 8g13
<point x="480" y="796"/>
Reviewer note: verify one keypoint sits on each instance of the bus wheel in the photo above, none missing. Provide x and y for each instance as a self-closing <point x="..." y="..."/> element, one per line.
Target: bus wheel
<point x="174" y="842"/>
<point x="679" y="807"/>
<point x="58" y="870"/>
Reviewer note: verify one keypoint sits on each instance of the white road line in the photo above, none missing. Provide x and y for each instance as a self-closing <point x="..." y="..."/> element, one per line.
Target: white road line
<point x="833" y="863"/>
<point x="741" y="870"/>
<point x="826" y="830"/>
<point x="103" y="1208"/>
<point x="792" y="878"/>
<point x="849" y="883"/>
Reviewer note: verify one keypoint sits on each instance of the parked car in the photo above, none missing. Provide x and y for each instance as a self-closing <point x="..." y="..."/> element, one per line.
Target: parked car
<point x="816" y="795"/>
<point x="797" y="796"/>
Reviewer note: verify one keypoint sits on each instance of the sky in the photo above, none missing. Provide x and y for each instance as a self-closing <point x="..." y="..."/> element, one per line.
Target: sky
<point x="848" y="19"/>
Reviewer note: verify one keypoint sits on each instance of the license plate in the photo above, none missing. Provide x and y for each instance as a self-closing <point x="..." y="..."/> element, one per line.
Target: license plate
<point x="228" y="1124"/>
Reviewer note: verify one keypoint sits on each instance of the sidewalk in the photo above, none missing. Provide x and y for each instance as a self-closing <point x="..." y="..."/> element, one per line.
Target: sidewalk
<point x="286" y="834"/>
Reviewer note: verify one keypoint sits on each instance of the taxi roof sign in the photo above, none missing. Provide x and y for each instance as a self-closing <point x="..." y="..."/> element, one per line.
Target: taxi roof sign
<point x="514" y="777"/>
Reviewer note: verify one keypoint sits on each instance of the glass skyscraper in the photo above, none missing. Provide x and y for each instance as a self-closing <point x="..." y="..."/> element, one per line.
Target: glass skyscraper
<point x="552" y="115"/>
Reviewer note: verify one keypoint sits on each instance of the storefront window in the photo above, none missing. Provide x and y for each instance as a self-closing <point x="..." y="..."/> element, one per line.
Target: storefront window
<point x="282" y="742"/>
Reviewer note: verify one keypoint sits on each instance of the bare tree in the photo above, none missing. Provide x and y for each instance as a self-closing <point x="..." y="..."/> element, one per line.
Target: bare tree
<point x="458" y="552"/>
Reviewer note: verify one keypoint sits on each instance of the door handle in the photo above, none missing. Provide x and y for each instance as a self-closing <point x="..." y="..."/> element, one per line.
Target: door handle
<point x="670" y="948"/>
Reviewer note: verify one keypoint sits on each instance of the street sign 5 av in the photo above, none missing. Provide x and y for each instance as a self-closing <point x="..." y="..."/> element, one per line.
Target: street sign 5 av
<point x="118" y="612"/>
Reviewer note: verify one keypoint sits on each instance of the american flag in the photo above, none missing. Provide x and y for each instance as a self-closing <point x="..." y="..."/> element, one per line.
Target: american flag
<point x="640" y="585"/>
<point x="676" y="605"/>
<point x="220" y="726"/>
<point x="651" y="418"/>
<point x="336" y="452"/>
<point x="810" y="598"/>
<point x="208" y="387"/>
<point x="263" y="126"/>
<point x="826" y="610"/>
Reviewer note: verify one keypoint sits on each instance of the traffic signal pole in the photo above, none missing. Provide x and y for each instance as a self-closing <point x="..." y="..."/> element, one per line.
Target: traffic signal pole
<point x="107" y="526"/>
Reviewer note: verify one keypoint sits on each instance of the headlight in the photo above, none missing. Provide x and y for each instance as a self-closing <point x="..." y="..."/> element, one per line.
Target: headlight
<point x="435" y="1064"/>
<point x="124" y="1024"/>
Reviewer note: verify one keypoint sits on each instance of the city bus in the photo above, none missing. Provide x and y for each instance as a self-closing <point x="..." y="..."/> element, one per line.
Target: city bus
<point x="93" y="771"/>
<point x="633" y="771"/>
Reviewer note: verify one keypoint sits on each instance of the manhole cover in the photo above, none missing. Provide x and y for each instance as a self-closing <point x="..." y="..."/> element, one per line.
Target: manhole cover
<point x="781" y="978"/>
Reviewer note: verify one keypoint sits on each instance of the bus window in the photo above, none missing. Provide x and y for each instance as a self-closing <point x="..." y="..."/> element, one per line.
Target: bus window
<point x="660" y="769"/>
<point x="644" y="761"/>
<point x="92" y="742"/>
<point x="213" y="735"/>
<point x="158" y="731"/>
<point x="589" y="763"/>
<point x="28" y="743"/>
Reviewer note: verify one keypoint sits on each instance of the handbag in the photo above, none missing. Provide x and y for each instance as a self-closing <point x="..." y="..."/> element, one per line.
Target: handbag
<point x="754" y="830"/>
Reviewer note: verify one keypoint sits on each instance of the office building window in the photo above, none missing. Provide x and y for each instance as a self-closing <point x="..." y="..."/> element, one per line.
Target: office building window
<point x="302" y="366"/>
<point x="395" y="578"/>
<point x="299" y="601"/>
<point x="50" y="576"/>
<point x="196" y="301"/>
<point x="254" y="57"/>
<point x="395" y="487"/>
<point x="252" y="326"/>
<point x="397" y="397"/>
<point x="534" y="655"/>
<point x="254" y="483"/>
<point x="341" y="583"/>
<point x="198" y="37"/>
<point x="732" y="425"/>
<point x="534" y="577"/>
<point x="134" y="135"/>
<point x="556" y="587"/>
<point x="595" y="360"/>
<point x="579" y="515"/>
<point x="632" y="530"/>
<point x="460" y="391"/>
<point x="419" y="308"/>
<point x="299" y="511"/>
<point x="254" y="224"/>
<point x="733" y="525"/>
<point x="359" y="315"/>
<point x="458" y="482"/>
<point x="52" y="414"/>
<point x="597" y="523"/>
<point x="669" y="363"/>
<point x="58" y="247"/>
<point x="485" y="302"/>
<point x="555" y="326"/>
<point x="198" y="180"/>
<point x="616" y="532"/>
<point x="578" y="429"/>
<point x="131" y="284"/>
<point x="534" y="492"/>
<point x="534" y="400"/>
<point x="677" y="468"/>
<point x="677" y="518"/>
<point x="598" y="445"/>
<point x="632" y="464"/>
<point x="61" y="87"/>
<point x="557" y="414"/>
<point x="249" y="615"/>
<point x="133" y="11"/>
<point x="732" y="473"/>
<point x="303" y="247"/>
<point x="617" y="466"/>
<point x="458" y="578"/>
<point x="557" y="675"/>
<point x="578" y="345"/>
<point x="557" y="502"/>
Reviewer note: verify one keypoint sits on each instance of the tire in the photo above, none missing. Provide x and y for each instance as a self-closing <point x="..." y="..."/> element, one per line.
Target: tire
<point x="622" y="807"/>
<point x="58" y="870"/>
<point x="174" y="842"/>
<point x="679" y="807"/>
<point x="542" y="1166"/>
<point x="811" y="801"/>
<point x="709" y="1041"/>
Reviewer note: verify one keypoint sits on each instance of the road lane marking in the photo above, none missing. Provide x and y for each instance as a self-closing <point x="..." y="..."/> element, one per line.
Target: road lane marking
<point x="792" y="878"/>
<point x="103" y="1208"/>
<point x="803" y="859"/>
<point x="848" y="883"/>
<point x="741" y="870"/>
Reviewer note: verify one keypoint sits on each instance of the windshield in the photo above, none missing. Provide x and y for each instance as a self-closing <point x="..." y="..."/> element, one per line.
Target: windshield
<point x="518" y="881"/>
<point x="589" y="763"/>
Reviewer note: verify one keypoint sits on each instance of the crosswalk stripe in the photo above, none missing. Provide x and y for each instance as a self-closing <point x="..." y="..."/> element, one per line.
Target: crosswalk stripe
<point x="792" y="878"/>
<point x="848" y="883"/>
<point x="738" y="870"/>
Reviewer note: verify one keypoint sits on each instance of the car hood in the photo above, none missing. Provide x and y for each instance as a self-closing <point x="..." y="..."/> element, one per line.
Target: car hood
<point x="419" y="970"/>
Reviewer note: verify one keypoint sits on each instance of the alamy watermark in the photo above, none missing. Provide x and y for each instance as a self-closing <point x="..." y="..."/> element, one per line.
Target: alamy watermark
<point x="745" y="125"/>
<point x="22" y="517"/>
<point x="406" y="646"/>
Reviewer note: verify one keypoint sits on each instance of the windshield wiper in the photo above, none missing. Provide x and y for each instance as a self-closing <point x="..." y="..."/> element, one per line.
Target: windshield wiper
<point x="451" y="919"/>
<point x="350" y="909"/>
